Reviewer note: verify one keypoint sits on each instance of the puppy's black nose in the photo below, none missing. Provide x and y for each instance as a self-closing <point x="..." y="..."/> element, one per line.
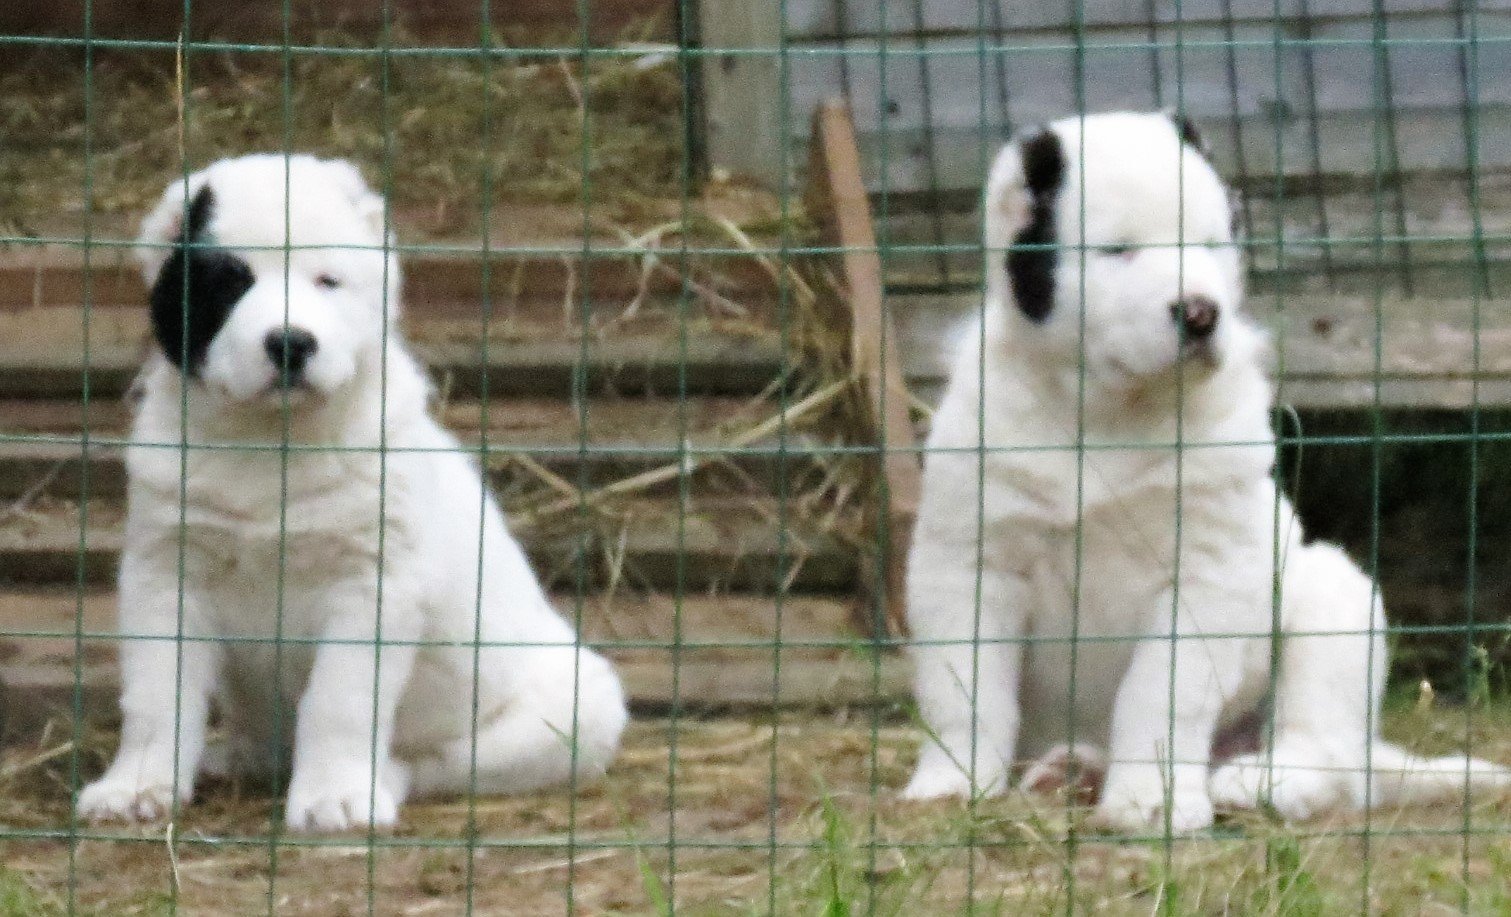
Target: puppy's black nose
<point x="290" y="349"/>
<point x="1196" y="316"/>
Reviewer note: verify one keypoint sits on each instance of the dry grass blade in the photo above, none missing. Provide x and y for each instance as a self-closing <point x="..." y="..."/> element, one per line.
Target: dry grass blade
<point x="11" y="771"/>
<point x="671" y="471"/>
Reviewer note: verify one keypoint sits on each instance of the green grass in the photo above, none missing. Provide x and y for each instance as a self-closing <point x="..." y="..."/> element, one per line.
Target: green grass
<point x="19" y="899"/>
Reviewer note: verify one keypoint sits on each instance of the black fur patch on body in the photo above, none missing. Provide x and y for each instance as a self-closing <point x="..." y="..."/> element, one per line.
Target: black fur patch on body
<point x="195" y="291"/>
<point x="1032" y="258"/>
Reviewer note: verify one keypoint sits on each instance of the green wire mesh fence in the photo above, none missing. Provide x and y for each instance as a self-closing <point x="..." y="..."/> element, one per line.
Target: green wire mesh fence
<point x="639" y="323"/>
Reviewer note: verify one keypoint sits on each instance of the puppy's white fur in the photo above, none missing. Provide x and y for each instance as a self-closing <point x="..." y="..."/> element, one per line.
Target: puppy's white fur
<point x="1117" y="587"/>
<point x="332" y="546"/>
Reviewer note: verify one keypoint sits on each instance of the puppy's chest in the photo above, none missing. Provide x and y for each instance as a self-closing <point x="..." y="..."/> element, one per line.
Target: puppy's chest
<point x="1106" y="559"/>
<point x="1065" y="492"/>
<point x="1106" y="570"/>
<point x="254" y="522"/>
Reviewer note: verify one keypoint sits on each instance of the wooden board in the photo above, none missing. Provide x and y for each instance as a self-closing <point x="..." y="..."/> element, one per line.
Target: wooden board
<point x="940" y="109"/>
<point x="603" y="440"/>
<point x="1325" y="348"/>
<point x="837" y="198"/>
<point x="938" y="86"/>
<point x="746" y="127"/>
<point x="714" y="544"/>
<point x="854" y="18"/>
<point x="1305" y="238"/>
<point x="53" y="640"/>
<point x="515" y="278"/>
<point x="42" y="354"/>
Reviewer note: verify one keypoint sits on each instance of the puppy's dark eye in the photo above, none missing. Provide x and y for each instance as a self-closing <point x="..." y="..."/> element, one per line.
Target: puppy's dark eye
<point x="1118" y="250"/>
<point x="327" y="282"/>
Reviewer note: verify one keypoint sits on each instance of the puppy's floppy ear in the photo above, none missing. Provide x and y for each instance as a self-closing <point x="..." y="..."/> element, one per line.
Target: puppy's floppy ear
<point x="368" y="202"/>
<point x="163" y="227"/>
<point x="1189" y="133"/>
<point x="1025" y="183"/>
<point x="1043" y="163"/>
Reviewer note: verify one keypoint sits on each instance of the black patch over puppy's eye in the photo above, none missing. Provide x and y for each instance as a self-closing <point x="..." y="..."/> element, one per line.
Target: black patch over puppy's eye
<point x="195" y="291"/>
<point x="1032" y="257"/>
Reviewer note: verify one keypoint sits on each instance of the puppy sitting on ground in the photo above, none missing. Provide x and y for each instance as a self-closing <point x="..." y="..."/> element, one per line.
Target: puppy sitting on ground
<point x="331" y="591"/>
<point x="1109" y="423"/>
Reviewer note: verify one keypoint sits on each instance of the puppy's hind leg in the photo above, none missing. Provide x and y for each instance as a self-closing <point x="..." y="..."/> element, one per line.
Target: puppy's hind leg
<point x="1327" y="694"/>
<point x="535" y="741"/>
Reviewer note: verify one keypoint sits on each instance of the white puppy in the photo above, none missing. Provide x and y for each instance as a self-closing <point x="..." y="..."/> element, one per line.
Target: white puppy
<point x="267" y="577"/>
<point x="1101" y="545"/>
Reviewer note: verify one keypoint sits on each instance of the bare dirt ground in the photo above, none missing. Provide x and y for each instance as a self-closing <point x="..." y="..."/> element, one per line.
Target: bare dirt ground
<point x="749" y="815"/>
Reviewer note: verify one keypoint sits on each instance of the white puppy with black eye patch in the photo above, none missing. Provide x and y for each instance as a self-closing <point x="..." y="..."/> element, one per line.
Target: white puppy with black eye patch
<point x="326" y="597"/>
<point x="1109" y="423"/>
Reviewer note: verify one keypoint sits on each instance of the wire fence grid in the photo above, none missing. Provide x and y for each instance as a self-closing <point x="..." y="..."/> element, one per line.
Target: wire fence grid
<point x="638" y="328"/>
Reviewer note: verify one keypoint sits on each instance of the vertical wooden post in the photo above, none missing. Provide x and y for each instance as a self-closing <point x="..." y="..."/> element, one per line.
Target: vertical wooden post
<point x="837" y="199"/>
<point x="742" y="92"/>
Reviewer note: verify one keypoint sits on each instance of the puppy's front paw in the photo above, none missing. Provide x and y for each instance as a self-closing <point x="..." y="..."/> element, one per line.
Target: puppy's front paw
<point x="1139" y="803"/>
<point x="120" y="798"/>
<point x="332" y="804"/>
<point x="939" y="779"/>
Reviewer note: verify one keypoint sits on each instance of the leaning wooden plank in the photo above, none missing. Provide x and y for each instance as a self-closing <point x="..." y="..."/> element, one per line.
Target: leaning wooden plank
<point x="838" y="198"/>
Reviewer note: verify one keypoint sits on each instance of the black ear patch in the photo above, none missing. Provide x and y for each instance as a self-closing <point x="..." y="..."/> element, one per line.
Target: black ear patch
<point x="1032" y="257"/>
<point x="195" y="291"/>
<point x="1190" y="134"/>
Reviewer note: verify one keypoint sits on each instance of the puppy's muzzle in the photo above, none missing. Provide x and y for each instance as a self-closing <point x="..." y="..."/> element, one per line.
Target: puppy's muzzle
<point x="1196" y="316"/>
<point x="1196" y="321"/>
<point x="290" y="350"/>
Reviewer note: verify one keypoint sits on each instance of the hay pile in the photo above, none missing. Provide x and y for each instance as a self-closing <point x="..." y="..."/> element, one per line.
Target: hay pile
<point x="448" y="132"/>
